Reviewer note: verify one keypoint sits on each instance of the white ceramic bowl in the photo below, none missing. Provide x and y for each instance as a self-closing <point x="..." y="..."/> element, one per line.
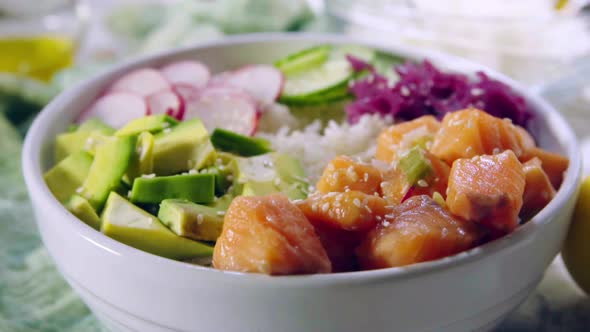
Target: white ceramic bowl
<point x="130" y="290"/>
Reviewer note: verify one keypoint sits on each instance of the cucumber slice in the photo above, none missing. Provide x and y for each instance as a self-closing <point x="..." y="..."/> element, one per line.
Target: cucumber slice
<point x="304" y="60"/>
<point x="230" y="141"/>
<point x="327" y="82"/>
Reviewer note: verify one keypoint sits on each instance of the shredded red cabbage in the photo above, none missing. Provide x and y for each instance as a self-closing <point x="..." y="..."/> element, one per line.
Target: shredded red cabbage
<point x="423" y="89"/>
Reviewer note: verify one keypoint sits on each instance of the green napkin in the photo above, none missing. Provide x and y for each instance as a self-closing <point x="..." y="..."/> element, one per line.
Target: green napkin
<point x="33" y="296"/>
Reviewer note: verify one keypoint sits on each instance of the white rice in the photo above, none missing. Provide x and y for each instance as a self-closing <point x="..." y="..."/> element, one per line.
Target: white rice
<point x="315" y="150"/>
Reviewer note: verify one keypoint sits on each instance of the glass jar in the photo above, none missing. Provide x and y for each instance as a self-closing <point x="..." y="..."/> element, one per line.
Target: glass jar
<point x="38" y="38"/>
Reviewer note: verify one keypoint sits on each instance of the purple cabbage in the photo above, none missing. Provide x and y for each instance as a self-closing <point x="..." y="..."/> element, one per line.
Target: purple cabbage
<point x="425" y="90"/>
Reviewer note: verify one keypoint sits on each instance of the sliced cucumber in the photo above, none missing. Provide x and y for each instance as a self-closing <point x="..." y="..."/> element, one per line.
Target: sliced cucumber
<point x="304" y="60"/>
<point x="246" y="146"/>
<point x="323" y="82"/>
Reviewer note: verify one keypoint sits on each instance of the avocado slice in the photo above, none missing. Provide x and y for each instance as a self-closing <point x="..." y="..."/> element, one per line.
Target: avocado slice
<point x="223" y="178"/>
<point x="270" y="173"/>
<point x="65" y="178"/>
<point x="74" y="141"/>
<point x="199" y="188"/>
<point x="152" y="124"/>
<point x="246" y="146"/>
<point x="181" y="148"/>
<point x="222" y="203"/>
<point x="143" y="158"/>
<point x="191" y="220"/>
<point x="80" y="207"/>
<point x="111" y="161"/>
<point x="127" y="223"/>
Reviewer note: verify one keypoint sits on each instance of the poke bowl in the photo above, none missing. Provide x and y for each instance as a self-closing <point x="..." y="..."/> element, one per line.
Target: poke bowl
<point x="152" y="233"/>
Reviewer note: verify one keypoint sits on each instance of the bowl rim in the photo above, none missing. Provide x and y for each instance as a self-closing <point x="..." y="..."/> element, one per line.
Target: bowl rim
<point x="32" y="171"/>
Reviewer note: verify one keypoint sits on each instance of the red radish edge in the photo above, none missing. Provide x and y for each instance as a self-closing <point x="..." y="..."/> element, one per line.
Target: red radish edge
<point x="187" y="72"/>
<point x="165" y="102"/>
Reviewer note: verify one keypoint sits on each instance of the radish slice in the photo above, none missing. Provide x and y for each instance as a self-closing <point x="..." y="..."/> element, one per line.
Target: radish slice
<point x="224" y="108"/>
<point x="186" y="92"/>
<point x="220" y="79"/>
<point x="263" y="82"/>
<point x="191" y="73"/>
<point x="116" y="109"/>
<point x="143" y="82"/>
<point x="165" y="102"/>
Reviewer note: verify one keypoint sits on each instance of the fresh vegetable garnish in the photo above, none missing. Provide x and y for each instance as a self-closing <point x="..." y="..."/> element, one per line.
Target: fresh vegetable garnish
<point x="229" y="141"/>
<point x="423" y="89"/>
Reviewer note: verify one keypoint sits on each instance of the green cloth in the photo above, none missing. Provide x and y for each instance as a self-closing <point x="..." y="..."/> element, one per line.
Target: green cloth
<point x="33" y="296"/>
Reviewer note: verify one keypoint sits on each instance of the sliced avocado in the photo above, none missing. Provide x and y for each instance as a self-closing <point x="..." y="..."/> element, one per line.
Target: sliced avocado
<point x="80" y="139"/>
<point x="111" y="161"/>
<point x="222" y="203"/>
<point x="223" y="178"/>
<point x="80" y="207"/>
<point x="143" y="158"/>
<point x="205" y="155"/>
<point x="127" y="223"/>
<point x="95" y="124"/>
<point x="96" y="139"/>
<point x="67" y="176"/>
<point x="246" y="146"/>
<point x="199" y="188"/>
<point x="270" y="173"/>
<point x="179" y="149"/>
<point x="152" y="124"/>
<point x="191" y="220"/>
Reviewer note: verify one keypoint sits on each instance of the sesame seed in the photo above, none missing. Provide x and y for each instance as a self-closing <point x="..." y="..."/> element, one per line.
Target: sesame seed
<point x="366" y="177"/>
<point x="325" y="207"/>
<point x="148" y="176"/>
<point x="229" y="177"/>
<point x="314" y="207"/>
<point x="356" y="202"/>
<point x="385" y="223"/>
<point x="167" y="130"/>
<point x="422" y="183"/>
<point x="193" y="171"/>
<point x="200" y="218"/>
<point x="368" y="209"/>
<point x="496" y="151"/>
<point x="221" y="213"/>
<point x="79" y="190"/>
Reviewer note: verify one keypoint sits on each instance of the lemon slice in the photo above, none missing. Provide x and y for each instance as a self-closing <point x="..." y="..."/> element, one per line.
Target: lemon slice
<point x="576" y="250"/>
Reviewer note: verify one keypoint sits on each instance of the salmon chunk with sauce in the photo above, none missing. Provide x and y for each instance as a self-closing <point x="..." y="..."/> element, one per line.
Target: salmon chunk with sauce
<point x="417" y="230"/>
<point x="471" y="132"/>
<point x="404" y="136"/>
<point x="340" y="246"/>
<point x="538" y="190"/>
<point x="269" y="234"/>
<point x="343" y="173"/>
<point x="351" y="210"/>
<point x="487" y="190"/>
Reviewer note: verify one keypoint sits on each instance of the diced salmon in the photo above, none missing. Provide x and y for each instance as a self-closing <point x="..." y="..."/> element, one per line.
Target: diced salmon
<point x="395" y="186"/>
<point x="553" y="164"/>
<point x="415" y="231"/>
<point x="487" y="190"/>
<point x="343" y="173"/>
<point x="471" y="132"/>
<point x="351" y="210"/>
<point x="404" y="136"/>
<point x="538" y="190"/>
<point x="269" y="234"/>
<point x="340" y="246"/>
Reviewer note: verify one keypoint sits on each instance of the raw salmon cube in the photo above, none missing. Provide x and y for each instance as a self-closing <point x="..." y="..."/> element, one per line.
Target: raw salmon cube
<point x="538" y="190"/>
<point x="403" y="136"/>
<point x="553" y="164"/>
<point x="395" y="186"/>
<point x="487" y="190"/>
<point x="471" y="132"/>
<point x="340" y="246"/>
<point x="351" y="210"/>
<point x="268" y="234"/>
<point x="415" y="231"/>
<point x="343" y="173"/>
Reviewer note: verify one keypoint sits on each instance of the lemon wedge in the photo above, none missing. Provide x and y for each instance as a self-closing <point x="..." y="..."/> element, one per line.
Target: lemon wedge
<point x="576" y="250"/>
